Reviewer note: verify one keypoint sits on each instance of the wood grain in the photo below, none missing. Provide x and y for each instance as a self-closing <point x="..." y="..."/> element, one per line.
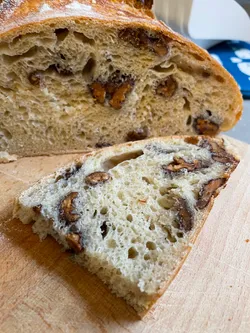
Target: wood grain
<point x="42" y="290"/>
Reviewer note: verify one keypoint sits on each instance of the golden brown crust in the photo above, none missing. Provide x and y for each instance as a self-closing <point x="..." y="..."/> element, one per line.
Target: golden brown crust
<point x="30" y="14"/>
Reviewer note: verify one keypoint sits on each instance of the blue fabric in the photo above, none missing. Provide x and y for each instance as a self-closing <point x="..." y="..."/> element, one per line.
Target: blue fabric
<point x="235" y="57"/>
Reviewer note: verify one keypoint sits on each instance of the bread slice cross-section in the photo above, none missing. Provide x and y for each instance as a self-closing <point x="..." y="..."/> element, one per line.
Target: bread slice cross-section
<point x="130" y="212"/>
<point x="78" y="75"/>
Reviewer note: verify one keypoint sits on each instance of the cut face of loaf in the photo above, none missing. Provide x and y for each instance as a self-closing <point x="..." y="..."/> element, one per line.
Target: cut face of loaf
<point x="131" y="212"/>
<point x="88" y="75"/>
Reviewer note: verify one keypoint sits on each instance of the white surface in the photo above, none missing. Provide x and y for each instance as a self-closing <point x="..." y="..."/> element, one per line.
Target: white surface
<point x="207" y="22"/>
<point x="223" y="19"/>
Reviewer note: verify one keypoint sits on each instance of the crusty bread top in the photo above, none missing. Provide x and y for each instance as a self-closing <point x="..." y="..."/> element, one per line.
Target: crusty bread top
<point x="21" y="17"/>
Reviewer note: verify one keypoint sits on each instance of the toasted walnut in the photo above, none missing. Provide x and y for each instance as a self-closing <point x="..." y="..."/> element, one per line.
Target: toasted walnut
<point x="35" y="78"/>
<point x="167" y="88"/>
<point x="155" y="42"/>
<point x="184" y="215"/>
<point x="69" y="172"/>
<point x="115" y="90"/>
<point x="98" y="92"/>
<point x="103" y="144"/>
<point x="67" y="207"/>
<point x="104" y="229"/>
<point x="179" y="164"/>
<point x="206" y="127"/>
<point x="209" y="190"/>
<point x="97" y="178"/>
<point x="138" y="134"/>
<point x="37" y="209"/>
<point x="219" y="154"/>
<point x="74" y="242"/>
<point x="193" y="140"/>
<point x="119" y="95"/>
<point x="144" y="4"/>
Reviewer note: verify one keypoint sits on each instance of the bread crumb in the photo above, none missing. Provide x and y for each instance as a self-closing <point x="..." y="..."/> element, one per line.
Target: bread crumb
<point x="247" y="240"/>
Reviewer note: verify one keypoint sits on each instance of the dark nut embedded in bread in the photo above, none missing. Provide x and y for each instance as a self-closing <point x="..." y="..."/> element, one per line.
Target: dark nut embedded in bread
<point x="69" y="172"/>
<point x="219" y="154"/>
<point x="104" y="229"/>
<point x="208" y="191"/>
<point x="155" y="42"/>
<point x="115" y="90"/>
<point x="66" y="211"/>
<point x="98" y="92"/>
<point x="35" y="78"/>
<point x="184" y="215"/>
<point x="74" y="242"/>
<point x="144" y="4"/>
<point x="193" y="140"/>
<point x="119" y="95"/>
<point x="138" y="134"/>
<point x="167" y="88"/>
<point x="37" y="209"/>
<point x="97" y="178"/>
<point x="180" y="164"/>
<point x="205" y="127"/>
<point x="103" y="144"/>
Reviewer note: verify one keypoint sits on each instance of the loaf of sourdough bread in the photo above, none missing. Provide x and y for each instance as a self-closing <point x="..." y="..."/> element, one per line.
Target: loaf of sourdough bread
<point x="131" y="212"/>
<point x="75" y="75"/>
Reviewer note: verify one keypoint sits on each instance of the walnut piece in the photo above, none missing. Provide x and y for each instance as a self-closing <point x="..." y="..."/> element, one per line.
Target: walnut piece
<point x="66" y="211"/>
<point x="208" y="191"/>
<point x="35" y="78"/>
<point x="179" y="164"/>
<point x="115" y="90"/>
<point x="102" y="144"/>
<point x="148" y="4"/>
<point x="167" y="88"/>
<point x="74" y="242"/>
<point x="193" y="140"/>
<point x="104" y="229"/>
<point x="69" y="172"/>
<point x="140" y="38"/>
<point x="184" y="215"/>
<point x="119" y="95"/>
<point x="96" y="178"/>
<point x="219" y="154"/>
<point x="98" y="92"/>
<point x="138" y="134"/>
<point x="37" y="209"/>
<point x="206" y="127"/>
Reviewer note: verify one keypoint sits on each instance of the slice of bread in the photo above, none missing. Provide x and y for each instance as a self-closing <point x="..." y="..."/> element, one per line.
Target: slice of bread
<point x="130" y="212"/>
<point x="76" y="75"/>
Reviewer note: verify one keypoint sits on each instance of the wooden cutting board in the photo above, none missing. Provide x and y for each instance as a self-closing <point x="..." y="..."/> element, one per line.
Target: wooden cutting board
<point x="42" y="290"/>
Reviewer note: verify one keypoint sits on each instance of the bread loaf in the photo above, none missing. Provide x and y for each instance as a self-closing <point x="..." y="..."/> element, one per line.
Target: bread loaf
<point x="81" y="75"/>
<point x="131" y="212"/>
